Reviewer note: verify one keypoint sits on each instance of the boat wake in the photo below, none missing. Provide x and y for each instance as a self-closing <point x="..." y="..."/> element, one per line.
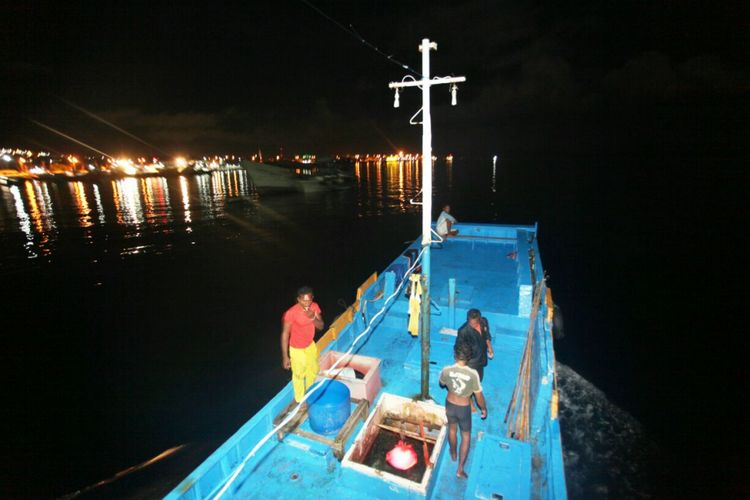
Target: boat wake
<point x="606" y="452"/>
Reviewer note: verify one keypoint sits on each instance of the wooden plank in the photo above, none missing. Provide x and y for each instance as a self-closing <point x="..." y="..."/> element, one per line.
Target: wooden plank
<point x="425" y="451"/>
<point x="326" y="339"/>
<point x="359" y="413"/>
<point x="363" y="287"/>
<point x="293" y="423"/>
<point x="313" y="437"/>
<point x="414" y="435"/>
<point x="333" y="331"/>
<point x="336" y="443"/>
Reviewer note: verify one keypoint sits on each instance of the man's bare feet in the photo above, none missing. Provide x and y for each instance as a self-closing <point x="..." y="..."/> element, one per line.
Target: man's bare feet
<point x="453" y="455"/>
<point x="462" y="475"/>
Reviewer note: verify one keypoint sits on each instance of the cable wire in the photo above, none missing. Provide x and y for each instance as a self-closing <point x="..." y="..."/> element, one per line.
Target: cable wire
<point x="352" y="32"/>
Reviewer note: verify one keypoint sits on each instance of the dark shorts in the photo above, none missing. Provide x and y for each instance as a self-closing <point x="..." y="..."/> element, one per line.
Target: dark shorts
<point x="460" y="414"/>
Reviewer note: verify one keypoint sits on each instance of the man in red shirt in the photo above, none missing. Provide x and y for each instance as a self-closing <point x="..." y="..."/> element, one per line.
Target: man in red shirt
<point x="298" y="350"/>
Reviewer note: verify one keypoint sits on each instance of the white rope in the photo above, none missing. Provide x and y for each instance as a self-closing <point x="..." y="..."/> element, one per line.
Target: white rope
<point x="314" y="388"/>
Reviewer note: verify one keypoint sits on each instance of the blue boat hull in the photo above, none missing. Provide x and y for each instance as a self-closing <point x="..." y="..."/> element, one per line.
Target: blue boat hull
<point x="516" y="452"/>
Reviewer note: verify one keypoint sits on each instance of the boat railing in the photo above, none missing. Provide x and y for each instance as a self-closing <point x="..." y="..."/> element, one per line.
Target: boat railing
<point x="531" y="404"/>
<point x="370" y="297"/>
<point x="532" y="415"/>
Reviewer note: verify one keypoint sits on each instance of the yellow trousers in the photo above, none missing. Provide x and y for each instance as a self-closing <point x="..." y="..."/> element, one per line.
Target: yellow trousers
<point x="415" y="301"/>
<point x="304" y="368"/>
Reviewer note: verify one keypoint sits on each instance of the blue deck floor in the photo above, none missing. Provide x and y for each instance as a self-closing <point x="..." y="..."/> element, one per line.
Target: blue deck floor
<point x="485" y="275"/>
<point x="486" y="278"/>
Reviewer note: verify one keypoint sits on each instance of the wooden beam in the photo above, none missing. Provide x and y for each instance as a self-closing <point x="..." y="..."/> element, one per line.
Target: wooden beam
<point x="413" y="435"/>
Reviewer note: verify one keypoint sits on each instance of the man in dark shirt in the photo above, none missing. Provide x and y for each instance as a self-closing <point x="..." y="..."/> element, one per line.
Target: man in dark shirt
<point x="476" y="333"/>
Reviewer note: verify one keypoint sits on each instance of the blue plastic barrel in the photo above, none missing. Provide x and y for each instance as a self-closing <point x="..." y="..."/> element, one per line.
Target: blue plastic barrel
<point x="329" y="407"/>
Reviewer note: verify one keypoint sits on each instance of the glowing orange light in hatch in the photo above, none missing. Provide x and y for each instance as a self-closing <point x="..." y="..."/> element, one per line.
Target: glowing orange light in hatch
<point x="402" y="456"/>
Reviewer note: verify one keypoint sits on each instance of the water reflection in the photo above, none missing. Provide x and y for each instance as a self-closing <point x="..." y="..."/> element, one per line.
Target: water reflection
<point x="387" y="186"/>
<point x="156" y="200"/>
<point x="204" y="190"/>
<point x="494" y="174"/>
<point x="127" y="202"/>
<point x="449" y="173"/>
<point x="137" y="215"/>
<point x="38" y="218"/>
<point x="99" y="206"/>
<point x="217" y="182"/>
<point x="23" y="221"/>
<point x="82" y="205"/>
<point x="44" y="201"/>
<point x="185" y="191"/>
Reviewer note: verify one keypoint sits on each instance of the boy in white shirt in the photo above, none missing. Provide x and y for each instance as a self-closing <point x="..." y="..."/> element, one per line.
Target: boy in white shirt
<point x="445" y="223"/>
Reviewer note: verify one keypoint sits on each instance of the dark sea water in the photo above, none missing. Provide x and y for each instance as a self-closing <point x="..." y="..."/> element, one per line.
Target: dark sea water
<point x="143" y="314"/>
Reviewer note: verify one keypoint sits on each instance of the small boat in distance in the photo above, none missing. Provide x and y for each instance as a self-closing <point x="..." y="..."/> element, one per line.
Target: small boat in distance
<point x="286" y="177"/>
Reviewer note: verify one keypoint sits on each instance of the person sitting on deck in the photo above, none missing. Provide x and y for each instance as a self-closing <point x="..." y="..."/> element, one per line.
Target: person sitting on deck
<point x="445" y="223"/>
<point x="298" y="349"/>
<point x="461" y="382"/>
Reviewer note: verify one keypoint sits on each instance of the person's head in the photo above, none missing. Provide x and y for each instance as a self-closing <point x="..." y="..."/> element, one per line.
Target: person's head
<point x="305" y="296"/>
<point x="473" y="316"/>
<point x="447" y="208"/>
<point x="462" y="351"/>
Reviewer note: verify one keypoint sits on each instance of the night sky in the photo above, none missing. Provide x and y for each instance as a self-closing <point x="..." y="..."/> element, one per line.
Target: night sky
<point x="586" y="77"/>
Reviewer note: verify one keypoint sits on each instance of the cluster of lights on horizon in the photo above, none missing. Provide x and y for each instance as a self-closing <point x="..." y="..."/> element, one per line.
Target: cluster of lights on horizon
<point x="398" y="157"/>
<point x="16" y="162"/>
<point x="23" y="163"/>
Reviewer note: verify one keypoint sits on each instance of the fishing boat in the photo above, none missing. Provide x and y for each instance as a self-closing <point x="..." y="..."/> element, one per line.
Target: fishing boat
<point x="516" y="451"/>
<point x="289" y="177"/>
<point x="373" y="425"/>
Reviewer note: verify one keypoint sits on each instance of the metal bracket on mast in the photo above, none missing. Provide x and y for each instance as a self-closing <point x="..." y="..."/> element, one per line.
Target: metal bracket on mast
<point x="411" y="120"/>
<point x="440" y="238"/>
<point x="411" y="200"/>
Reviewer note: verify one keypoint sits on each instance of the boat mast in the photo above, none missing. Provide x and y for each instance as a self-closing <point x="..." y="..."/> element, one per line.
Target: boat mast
<point x="425" y="83"/>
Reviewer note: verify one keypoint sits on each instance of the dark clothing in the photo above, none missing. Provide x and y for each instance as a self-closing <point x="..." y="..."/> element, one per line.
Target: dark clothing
<point x="477" y="341"/>
<point x="460" y="414"/>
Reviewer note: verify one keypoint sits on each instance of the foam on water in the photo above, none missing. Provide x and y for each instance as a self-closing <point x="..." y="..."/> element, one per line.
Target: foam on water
<point x="606" y="451"/>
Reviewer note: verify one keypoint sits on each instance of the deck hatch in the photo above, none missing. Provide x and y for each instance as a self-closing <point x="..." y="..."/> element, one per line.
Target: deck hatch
<point x="395" y="418"/>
